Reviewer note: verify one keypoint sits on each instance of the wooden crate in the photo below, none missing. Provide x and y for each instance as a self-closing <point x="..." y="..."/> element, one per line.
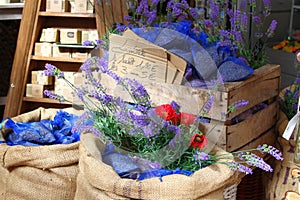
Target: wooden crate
<point x="109" y="14"/>
<point x="261" y="87"/>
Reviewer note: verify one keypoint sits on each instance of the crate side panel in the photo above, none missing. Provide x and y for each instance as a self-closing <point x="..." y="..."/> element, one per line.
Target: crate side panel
<point x="263" y="89"/>
<point x="243" y="132"/>
<point x="190" y="99"/>
<point x="269" y="137"/>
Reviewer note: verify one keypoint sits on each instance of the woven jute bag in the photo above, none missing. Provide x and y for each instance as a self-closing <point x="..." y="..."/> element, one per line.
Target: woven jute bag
<point x="282" y="179"/>
<point x="39" y="172"/>
<point x="96" y="180"/>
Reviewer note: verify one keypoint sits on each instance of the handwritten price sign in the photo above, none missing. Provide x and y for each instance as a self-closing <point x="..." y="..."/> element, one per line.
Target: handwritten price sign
<point x="132" y="59"/>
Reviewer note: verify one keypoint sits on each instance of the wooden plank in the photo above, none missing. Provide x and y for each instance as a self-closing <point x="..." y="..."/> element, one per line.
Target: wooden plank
<point x="243" y="132"/>
<point x="124" y="11"/>
<point x="100" y="19"/>
<point x="263" y="88"/>
<point x="269" y="137"/>
<point x="263" y="71"/>
<point x="190" y="99"/>
<point x="117" y="11"/>
<point x="22" y="52"/>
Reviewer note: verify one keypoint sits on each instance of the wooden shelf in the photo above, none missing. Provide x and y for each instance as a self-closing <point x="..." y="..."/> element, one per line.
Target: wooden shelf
<point x="44" y="100"/>
<point x="11" y="11"/>
<point x="66" y="14"/>
<point x="34" y="19"/>
<point x="53" y="59"/>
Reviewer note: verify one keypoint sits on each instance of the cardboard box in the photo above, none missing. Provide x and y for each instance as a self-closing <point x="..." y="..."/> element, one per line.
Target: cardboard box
<point x="80" y="53"/>
<point x="60" y="52"/>
<point x="90" y="35"/>
<point x="80" y="6"/>
<point x="38" y="77"/>
<point x="70" y="36"/>
<point x="57" y="6"/>
<point x="43" y="49"/>
<point x="90" y="7"/>
<point x="50" y="35"/>
<point x="36" y="90"/>
<point x="62" y="88"/>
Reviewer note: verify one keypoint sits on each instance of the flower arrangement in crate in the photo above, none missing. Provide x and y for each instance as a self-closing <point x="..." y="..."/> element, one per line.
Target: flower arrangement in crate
<point x="289" y="100"/>
<point x="233" y="32"/>
<point x="142" y="141"/>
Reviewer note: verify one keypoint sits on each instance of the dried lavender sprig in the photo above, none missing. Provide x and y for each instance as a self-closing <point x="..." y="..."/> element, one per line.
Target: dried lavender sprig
<point x="270" y="150"/>
<point x="237" y="105"/>
<point x="235" y="166"/>
<point x="52" y="70"/>
<point x="52" y="95"/>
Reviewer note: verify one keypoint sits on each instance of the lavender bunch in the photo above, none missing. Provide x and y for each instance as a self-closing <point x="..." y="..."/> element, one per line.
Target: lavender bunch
<point x="289" y="100"/>
<point x="241" y="27"/>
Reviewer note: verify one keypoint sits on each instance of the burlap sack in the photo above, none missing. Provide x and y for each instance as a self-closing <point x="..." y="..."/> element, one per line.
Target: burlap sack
<point x="97" y="180"/>
<point x="35" y="173"/>
<point x="282" y="180"/>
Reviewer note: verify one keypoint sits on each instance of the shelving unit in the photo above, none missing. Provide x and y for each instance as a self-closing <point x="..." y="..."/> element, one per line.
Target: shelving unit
<point x="49" y="20"/>
<point x="34" y="20"/>
<point x="295" y="8"/>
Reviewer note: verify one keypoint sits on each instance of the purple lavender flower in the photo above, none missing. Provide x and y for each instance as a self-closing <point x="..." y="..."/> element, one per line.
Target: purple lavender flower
<point x="51" y="70"/>
<point x="99" y="42"/>
<point x="155" y="2"/>
<point x="267" y="5"/>
<point x="174" y="129"/>
<point x="270" y="150"/>
<point x="86" y="66"/>
<point x="256" y="19"/>
<point x="142" y="7"/>
<point x="113" y="75"/>
<point x="200" y="156"/>
<point x="234" y="166"/>
<point x="87" y="43"/>
<point x="151" y="17"/>
<point x="54" y="96"/>
<point x="244" y="21"/>
<point x="172" y="143"/>
<point x="107" y="99"/>
<point x="175" y="106"/>
<point x="256" y="161"/>
<point x="194" y="13"/>
<point x="214" y="10"/>
<point x="297" y="81"/>
<point x="138" y="91"/>
<point x="237" y="105"/>
<point x="243" y="4"/>
<point x="80" y="93"/>
<point x="148" y="131"/>
<point x="238" y="36"/>
<point x="120" y="27"/>
<point x="122" y="116"/>
<point x="102" y="65"/>
<point x="139" y="120"/>
<point x="127" y="18"/>
<point x="271" y="29"/>
<point x="209" y="103"/>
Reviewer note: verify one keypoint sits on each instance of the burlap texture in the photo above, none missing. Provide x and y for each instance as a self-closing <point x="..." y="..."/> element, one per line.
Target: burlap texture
<point x="44" y="172"/>
<point x="97" y="180"/>
<point x="282" y="179"/>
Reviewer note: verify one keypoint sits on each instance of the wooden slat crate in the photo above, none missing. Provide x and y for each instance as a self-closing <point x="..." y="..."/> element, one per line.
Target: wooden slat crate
<point x="261" y="87"/>
<point x="109" y="13"/>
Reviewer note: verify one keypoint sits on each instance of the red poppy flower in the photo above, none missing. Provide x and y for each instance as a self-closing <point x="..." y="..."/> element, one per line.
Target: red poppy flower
<point x="199" y="141"/>
<point x="187" y="119"/>
<point x="166" y="112"/>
